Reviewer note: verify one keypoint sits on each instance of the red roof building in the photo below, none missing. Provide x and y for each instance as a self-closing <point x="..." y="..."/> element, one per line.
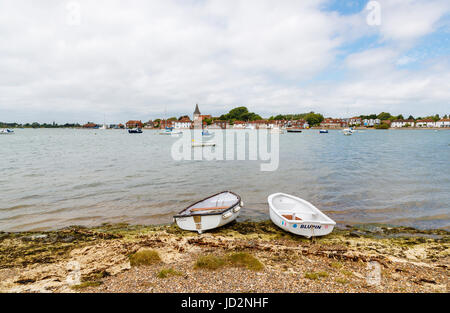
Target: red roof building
<point x="166" y="123"/>
<point x="134" y="124"/>
<point x="333" y="123"/>
<point x="220" y="124"/>
<point x="90" y="125"/>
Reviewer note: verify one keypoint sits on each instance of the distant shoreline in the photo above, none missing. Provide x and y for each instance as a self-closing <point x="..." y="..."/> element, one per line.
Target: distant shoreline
<point x="310" y="128"/>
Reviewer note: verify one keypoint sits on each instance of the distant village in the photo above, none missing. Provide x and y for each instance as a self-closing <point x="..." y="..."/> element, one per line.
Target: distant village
<point x="241" y="118"/>
<point x="302" y="121"/>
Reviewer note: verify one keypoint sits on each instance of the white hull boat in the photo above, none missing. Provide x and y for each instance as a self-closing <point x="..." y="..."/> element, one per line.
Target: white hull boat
<point x="176" y="133"/>
<point x="298" y="216"/>
<point x="348" y="131"/>
<point x="212" y="212"/>
<point x="203" y="144"/>
<point x="6" y="131"/>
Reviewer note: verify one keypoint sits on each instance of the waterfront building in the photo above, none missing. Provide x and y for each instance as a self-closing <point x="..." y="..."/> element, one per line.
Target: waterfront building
<point x="402" y="123"/>
<point x="183" y="122"/>
<point x="134" y="124"/>
<point x="219" y="124"/>
<point x="259" y="124"/>
<point x="371" y="122"/>
<point x="298" y="123"/>
<point x="354" y="121"/>
<point x="165" y="124"/>
<point x="333" y="123"/>
<point x="149" y="125"/>
<point x="425" y="123"/>
<point x="90" y="125"/>
<point x="239" y="124"/>
<point x="444" y="122"/>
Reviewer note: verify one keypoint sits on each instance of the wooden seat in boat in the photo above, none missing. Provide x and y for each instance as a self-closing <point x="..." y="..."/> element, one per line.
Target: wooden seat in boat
<point x="209" y="209"/>
<point x="289" y="217"/>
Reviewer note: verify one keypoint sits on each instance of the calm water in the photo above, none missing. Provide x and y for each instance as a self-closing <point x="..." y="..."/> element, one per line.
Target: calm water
<point x="55" y="178"/>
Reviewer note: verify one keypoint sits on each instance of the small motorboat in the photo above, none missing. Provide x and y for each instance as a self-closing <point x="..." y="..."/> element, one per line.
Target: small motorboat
<point x="166" y="131"/>
<point x="206" y="133"/>
<point x="6" y="131"/>
<point x="212" y="212"/>
<point x="298" y="216"/>
<point x="347" y="132"/>
<point x="323" y="131"/>
<point x="176" y="133"/>
<point x="135" y="131"/>
<point x="294" y="130"/>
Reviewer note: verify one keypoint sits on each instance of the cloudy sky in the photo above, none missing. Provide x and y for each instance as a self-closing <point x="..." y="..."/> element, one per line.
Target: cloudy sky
<point x="78" y="61"/>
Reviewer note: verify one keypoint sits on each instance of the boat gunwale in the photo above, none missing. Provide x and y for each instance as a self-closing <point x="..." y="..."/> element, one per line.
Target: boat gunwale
<point x="208" y="214"/>
<point x="270" y="198"/>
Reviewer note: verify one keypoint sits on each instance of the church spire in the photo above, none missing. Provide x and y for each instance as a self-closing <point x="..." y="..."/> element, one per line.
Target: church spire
<point x="197" y="111"/>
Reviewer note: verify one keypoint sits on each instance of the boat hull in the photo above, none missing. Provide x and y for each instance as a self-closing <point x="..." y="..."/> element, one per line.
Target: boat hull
<point x="204" y="144"/>
<point x="312" y="224"/>
<point x="307" y="230"/>
<point x="201" y="223"/>
<point x="209" y="213"/>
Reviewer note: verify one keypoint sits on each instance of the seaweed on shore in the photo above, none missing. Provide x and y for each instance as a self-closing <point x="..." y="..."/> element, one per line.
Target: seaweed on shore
<point x="24" y="248"/>
<point x="21" y="249"/>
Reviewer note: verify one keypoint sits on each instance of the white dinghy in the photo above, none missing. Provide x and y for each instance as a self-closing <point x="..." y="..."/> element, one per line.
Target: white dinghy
<point x="212" y="212"/>
<point x="298" y="216"/>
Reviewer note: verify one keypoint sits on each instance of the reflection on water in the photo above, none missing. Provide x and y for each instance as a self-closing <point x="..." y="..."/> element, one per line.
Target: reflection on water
<point x="51" y="178"/>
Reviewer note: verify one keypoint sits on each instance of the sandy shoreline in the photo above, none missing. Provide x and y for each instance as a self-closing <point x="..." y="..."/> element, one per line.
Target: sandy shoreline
<point x="367" y="258"/>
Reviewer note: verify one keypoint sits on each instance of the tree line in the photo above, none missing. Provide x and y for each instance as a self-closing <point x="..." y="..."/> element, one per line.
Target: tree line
<point x="387" y="116"/>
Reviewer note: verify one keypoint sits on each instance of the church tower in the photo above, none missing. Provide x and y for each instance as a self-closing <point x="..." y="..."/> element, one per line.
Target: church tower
<point x="197" y="118"/>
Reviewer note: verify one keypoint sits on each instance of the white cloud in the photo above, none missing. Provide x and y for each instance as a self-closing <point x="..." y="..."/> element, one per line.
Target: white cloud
<point x="134" y="59"/>
<point x="405" y="20"/>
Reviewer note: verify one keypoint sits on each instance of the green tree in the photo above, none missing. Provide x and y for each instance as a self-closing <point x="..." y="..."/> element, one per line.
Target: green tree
<point x="384" y="116"/>
<point x="240" y="113"/>
<point x="382" y="126"/>
<point x="237" y="113"/>
<point x="314" y="118"/>
<point x="410" y="117"/>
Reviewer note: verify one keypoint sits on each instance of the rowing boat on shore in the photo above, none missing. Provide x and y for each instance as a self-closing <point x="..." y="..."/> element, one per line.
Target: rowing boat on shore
<point x="298" y="216"/>
<point x="209" y="213"/>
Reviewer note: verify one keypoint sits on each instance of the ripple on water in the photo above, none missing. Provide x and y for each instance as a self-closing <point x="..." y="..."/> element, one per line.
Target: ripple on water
<point x="369" y="177"/>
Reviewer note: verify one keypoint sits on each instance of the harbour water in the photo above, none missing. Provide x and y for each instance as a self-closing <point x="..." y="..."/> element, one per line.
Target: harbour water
<point x="52" y="178"/>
